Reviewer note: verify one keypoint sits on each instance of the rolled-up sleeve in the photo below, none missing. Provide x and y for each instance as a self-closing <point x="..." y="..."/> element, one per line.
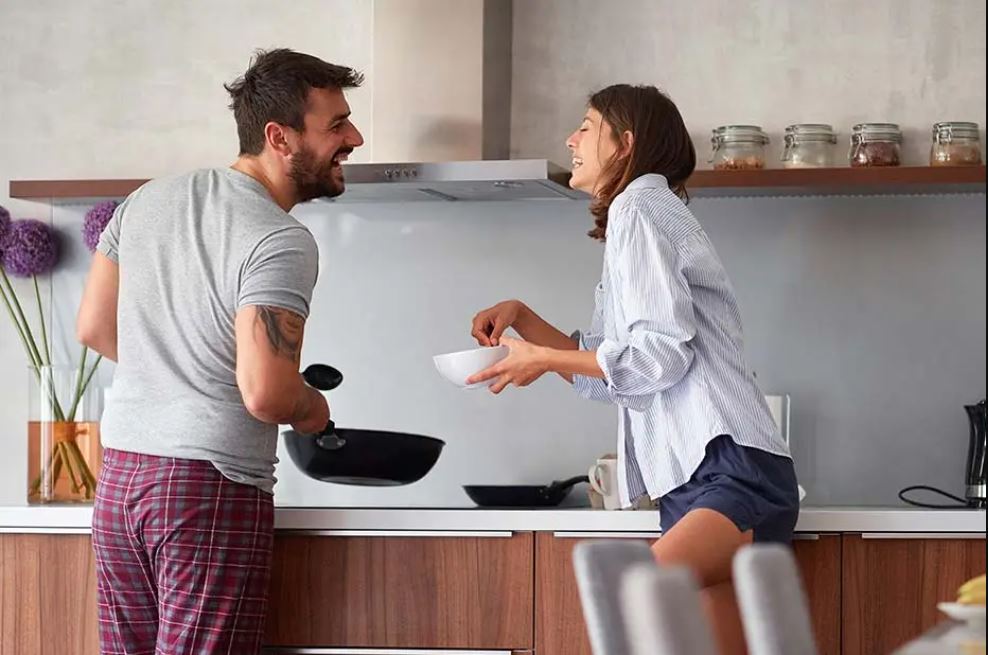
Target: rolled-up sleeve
<point x="589" y="387"/>
<point x="656" y="324"/>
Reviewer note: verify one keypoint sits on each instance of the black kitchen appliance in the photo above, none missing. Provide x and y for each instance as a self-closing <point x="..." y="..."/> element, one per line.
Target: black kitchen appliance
<point x="976" y="456"/>
<point x="974" y="478"/>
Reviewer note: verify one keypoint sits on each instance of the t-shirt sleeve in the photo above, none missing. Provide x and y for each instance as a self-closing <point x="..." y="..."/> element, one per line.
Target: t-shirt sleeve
<point x="281" y="271"/>
<point x="109" y="240"/>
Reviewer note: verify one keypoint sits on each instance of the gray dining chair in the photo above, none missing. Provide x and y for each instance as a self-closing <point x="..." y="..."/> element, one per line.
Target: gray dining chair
<point x="773" y="604"/>
<point x="663" y="612"/>
<point x="599" y="567"/>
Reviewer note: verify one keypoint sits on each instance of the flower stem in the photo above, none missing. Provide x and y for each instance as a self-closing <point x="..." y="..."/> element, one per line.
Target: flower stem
<point x="89" y="376"/>
<point x="67" y="456"/>
<point x="32" y="354"/>
<point x="20" y="312"/>
<point x="36" y="483"/>
<point x="88" y="479"/>
<point x="79" y="387"/>
<point x="41" y="317"/>
<point x="17" y="323"/>
<point x="53" y="473"/>
<point x="55" y="405"/>
<point x="85" y="384"/>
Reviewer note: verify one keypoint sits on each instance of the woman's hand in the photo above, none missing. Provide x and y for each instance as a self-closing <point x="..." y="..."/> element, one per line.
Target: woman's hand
<point x="489" y="324"/>
<point x="524" y="364"/>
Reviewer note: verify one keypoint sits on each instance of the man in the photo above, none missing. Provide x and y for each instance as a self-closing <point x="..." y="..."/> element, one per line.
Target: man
<point x="200" y="289"/>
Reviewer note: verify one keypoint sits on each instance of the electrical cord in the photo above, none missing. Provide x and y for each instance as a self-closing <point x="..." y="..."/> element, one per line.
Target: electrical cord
<point x="923" y="487"/>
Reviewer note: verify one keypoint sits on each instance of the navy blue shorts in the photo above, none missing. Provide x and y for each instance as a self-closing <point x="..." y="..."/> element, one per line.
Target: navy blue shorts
<point x="755" y="489"/>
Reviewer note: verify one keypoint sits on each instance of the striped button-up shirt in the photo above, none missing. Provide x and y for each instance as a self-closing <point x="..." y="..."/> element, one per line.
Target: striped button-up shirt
<point x="667" y="334"/>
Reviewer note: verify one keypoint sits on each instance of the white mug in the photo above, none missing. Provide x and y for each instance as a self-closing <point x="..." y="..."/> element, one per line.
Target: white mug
<point x="604" y="480"/>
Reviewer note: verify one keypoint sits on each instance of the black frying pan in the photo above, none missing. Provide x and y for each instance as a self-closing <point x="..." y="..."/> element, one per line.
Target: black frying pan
<point x="375" y="458"/>
<point x="513" y="495"/>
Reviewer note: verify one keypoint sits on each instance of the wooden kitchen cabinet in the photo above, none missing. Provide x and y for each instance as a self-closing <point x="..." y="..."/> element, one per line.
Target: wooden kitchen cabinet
<point x="819" y="559"/>
<point x="47" y="595"/>
<point x="892" y="584"/>
<point x="461" y="592"/>
<point x="559" y="627"/>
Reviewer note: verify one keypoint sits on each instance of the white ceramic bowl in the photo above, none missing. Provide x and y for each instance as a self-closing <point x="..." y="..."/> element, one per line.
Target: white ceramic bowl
<point x="457" y="367"/>
<point x="973" y="615"/>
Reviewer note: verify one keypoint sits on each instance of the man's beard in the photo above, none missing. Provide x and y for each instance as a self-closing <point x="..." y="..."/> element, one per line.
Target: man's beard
<point x="314" y="179"/>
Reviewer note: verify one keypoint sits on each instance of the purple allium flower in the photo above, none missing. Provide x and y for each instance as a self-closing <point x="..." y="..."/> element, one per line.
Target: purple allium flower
<point x="30" y="248"/>
<point x="96" y="220"/>
<point x="4" y="226"/>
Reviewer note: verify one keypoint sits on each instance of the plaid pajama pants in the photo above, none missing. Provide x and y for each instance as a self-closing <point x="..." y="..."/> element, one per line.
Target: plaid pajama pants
<point x="183" y="558"/>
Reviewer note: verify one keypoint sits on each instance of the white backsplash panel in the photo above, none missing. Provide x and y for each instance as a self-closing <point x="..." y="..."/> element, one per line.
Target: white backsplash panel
<point x="868" y="312"/>
<point x="401" y="283"/>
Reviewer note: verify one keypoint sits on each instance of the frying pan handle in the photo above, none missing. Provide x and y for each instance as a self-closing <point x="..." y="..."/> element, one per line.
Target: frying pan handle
<point x="328" y="439"/>
<point x="566" y="484"/>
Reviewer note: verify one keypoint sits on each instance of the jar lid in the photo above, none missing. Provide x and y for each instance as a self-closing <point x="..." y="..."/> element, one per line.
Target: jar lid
<point x="876" y="132"/>
<point x="807" y="132"/>
<point x="739" y="134"/>
<point x="947" y="131"/>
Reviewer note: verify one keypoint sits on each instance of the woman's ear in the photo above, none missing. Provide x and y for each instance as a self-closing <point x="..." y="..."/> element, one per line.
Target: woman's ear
<point x="627" y="143"/>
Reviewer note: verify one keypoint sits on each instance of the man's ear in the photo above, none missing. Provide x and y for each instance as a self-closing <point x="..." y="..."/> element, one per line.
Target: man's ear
<point x="277" y="138"/>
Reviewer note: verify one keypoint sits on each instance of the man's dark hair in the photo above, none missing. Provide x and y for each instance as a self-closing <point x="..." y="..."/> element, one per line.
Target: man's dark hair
<point x="276" y="87"/>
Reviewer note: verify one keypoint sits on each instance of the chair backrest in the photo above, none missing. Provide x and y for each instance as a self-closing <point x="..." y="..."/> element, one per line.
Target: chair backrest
<point x="599" y="567"/>
<point x="772" y="601"/>
<point x="663" y="612"/>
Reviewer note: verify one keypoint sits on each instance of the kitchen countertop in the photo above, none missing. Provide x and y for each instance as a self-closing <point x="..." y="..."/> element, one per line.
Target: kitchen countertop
<point x="411" y="520"/>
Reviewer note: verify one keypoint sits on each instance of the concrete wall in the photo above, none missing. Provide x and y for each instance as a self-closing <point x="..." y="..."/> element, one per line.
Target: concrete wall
<point x="767" y="62"/>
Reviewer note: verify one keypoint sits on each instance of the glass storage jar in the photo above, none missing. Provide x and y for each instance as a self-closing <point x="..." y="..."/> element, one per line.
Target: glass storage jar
<point x="738" y="147"/>
<point x="809" y="145"/>
<point x="955" y="143"/>
<point x="875" y="144"/>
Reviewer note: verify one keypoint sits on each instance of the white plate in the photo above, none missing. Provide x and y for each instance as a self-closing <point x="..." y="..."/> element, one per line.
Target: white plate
<point x="965" y="613"/>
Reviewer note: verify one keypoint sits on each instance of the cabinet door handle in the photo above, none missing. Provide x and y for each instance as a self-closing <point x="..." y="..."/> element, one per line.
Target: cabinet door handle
<point x="478" y="534"/>
<point x="922" y="535"/>
<point x="607" y="535"/>
<point x="805" y="536"/>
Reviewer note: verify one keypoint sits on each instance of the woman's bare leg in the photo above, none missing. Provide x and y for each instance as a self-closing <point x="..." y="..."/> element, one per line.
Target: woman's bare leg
<point x="705" y="541"/>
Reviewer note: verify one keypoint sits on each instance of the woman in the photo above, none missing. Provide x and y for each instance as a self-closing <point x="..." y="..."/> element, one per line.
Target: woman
<point x="665" y="346"/>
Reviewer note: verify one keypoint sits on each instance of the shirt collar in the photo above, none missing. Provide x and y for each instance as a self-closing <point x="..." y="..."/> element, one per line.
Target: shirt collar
<point x="648" y="181"/>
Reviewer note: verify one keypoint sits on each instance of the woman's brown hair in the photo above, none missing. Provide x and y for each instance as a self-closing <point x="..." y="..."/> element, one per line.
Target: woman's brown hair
<point x="662" y="144"/>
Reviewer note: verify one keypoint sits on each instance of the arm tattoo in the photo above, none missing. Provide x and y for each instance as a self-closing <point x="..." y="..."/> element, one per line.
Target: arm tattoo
<point x="283" y="328"/>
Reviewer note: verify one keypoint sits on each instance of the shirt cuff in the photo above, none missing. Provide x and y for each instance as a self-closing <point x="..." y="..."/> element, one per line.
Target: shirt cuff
<point x="608" y="354"/>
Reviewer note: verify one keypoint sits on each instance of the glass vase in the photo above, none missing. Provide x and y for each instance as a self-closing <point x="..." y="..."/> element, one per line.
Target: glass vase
<point x="64" y="452"/>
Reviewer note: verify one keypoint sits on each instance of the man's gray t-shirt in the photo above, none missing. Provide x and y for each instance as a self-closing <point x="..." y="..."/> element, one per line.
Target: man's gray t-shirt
<point x="192" y="250"/>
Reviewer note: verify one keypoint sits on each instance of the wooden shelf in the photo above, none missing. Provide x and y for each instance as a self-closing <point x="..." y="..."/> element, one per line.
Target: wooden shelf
<point x="899" y="180"/>
<point x="38" y="189"/>
<point x="768" y="182"/>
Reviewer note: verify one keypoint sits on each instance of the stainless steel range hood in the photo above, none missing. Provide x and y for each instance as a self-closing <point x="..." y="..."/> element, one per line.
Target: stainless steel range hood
<point x="458" y="123"/>
<point x="488" y="180"/>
